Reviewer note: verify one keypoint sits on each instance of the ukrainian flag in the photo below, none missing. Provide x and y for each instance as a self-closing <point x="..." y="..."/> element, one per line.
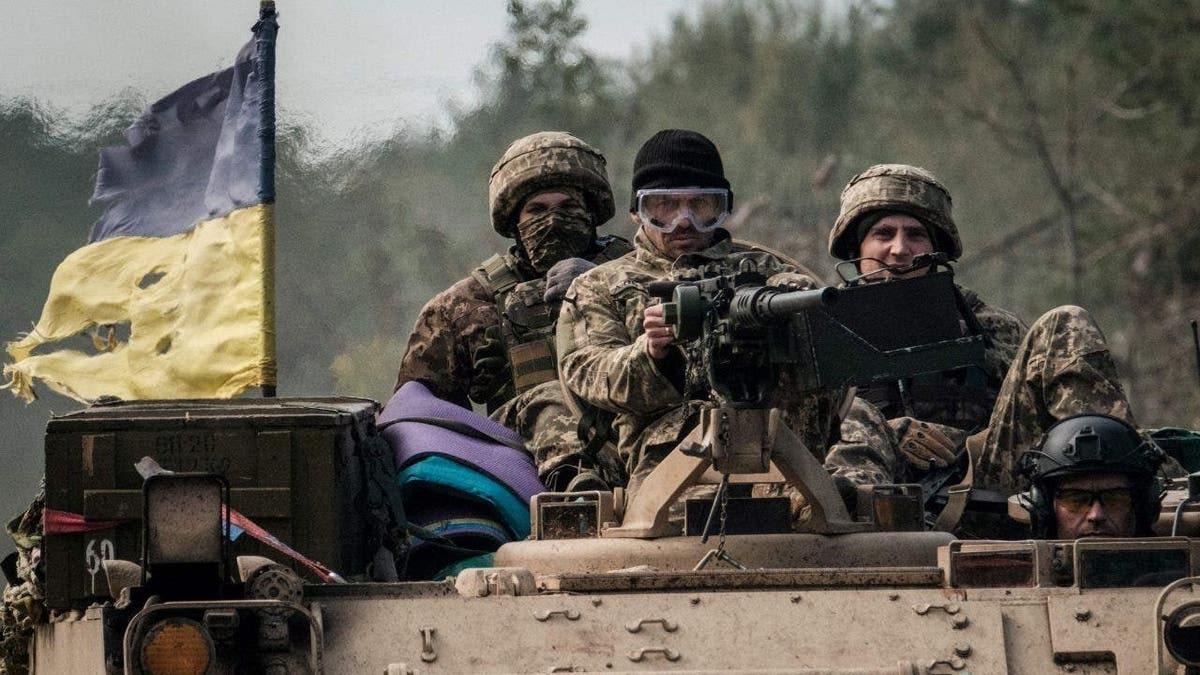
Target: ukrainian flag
<point x="182" y="258"/>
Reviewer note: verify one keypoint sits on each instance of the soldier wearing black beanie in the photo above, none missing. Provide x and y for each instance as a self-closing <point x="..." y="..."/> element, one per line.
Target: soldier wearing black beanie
<point x="674" y="158"/>
<point x="617" y="352"/>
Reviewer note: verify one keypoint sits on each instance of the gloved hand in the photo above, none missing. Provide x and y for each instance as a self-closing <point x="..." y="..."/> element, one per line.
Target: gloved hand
<point x="560" y="276"/>
<point x="793" y="281"/>
<point x="489" y="366"/>
<point x="922" y="443"/>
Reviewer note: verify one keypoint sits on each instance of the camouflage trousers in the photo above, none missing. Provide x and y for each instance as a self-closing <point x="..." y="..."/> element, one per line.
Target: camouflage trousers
<point x="551" y="432"/>
<point x="1062" y="368"/>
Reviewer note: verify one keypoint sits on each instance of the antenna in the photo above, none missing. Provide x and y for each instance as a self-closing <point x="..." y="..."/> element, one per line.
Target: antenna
<point x="1196" y="343"/>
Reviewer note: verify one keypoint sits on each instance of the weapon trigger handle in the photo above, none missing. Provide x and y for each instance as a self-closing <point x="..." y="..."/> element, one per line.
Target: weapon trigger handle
<point x="661" y="289"/>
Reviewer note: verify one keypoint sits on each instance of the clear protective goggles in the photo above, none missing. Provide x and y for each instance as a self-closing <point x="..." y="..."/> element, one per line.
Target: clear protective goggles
<point x="664" y="209"/>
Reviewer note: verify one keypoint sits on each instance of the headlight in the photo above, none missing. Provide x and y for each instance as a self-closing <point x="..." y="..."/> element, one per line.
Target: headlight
<point x="1182" y="634"/>
<point x="177" y="646"/>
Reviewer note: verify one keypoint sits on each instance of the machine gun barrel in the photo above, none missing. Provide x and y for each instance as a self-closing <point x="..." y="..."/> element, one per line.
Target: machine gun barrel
<point x="763" y="305"/>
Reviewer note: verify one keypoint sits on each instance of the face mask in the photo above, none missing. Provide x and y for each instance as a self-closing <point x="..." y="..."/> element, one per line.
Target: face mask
<point x="555" y="235"/>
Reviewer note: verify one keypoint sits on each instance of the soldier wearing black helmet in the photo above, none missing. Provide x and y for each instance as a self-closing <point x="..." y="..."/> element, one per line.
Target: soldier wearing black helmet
<point x="1093" y="476"/>
<point x="1061" y="366"/>
<point x="489" y="338"/>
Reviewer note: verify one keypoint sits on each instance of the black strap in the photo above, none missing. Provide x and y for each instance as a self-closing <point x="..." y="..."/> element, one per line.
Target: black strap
<point x="594" y="430"/>
<point x="381" y="499"/>
<point x="968" y="315"/>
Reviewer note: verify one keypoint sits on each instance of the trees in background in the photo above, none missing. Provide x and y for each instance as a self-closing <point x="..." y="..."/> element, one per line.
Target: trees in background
<point x="1065" y="129"/>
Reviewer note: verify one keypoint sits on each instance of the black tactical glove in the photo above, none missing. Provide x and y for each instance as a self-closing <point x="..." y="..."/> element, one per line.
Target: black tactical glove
<point x="560" y="276"/>
<point x="489" y="366"/>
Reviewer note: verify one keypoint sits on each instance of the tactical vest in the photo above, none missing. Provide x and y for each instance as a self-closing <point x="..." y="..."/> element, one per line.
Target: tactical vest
<point x="527" y="320"/>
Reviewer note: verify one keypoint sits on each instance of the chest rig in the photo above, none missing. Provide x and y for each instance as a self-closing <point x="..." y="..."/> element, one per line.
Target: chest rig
<point x="527" y="321"/>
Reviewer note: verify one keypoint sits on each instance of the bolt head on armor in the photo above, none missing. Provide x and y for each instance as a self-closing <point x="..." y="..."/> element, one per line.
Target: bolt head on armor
<point x="543" y="161"/>
<point x="900" y="188"/>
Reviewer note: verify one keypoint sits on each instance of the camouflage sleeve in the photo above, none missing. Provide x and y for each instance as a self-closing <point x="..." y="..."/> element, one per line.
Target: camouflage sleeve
<point x="448" y="329"/>
<point x="601" y="360"/>
<point x="1005" y="331"/>
<point x="867" y="451"/>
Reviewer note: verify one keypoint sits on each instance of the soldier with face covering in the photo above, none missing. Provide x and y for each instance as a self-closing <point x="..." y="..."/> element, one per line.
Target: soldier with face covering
<point x="490" y="337"/>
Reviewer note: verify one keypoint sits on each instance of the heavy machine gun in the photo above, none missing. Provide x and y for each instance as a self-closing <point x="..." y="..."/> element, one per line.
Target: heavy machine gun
<point x="753" y="342"/>
<point x="820" y="339"/>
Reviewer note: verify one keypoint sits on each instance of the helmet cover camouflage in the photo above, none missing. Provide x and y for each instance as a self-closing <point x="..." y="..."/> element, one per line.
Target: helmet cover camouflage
<point x="541" y="162"/>
<point x="894" y="187"/>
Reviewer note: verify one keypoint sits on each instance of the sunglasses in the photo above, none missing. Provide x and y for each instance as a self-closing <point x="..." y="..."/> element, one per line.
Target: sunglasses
<point x="1082" y="500"/>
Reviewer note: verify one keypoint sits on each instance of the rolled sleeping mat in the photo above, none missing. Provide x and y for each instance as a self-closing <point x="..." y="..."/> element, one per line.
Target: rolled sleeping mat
<point x="418" y="424"/>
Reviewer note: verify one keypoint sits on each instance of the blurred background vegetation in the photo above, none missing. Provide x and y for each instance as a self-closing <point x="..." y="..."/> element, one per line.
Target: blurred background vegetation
<point x="1066" y="131"/>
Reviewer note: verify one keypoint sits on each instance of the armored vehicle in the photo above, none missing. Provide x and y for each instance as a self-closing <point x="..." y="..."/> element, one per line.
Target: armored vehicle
<point x="264" y="535"/>
<point x="603" y="584"/>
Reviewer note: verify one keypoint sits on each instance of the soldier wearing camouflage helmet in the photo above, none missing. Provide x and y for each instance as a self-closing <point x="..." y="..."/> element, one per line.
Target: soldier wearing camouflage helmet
<point x="894" y="190"/>
<point x="890" y="214"/>
<point x="1061" y="366"/>
<point x="489" y="337"/>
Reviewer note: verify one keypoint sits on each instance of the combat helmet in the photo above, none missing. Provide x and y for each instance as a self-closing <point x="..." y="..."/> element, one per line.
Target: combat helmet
<point x="543" y="161"/>
<point x="1092" y="443"/>
<point x="894" y="187"/>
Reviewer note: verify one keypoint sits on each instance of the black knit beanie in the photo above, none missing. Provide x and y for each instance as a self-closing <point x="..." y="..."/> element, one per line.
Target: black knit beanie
<point x="675" y="158"/>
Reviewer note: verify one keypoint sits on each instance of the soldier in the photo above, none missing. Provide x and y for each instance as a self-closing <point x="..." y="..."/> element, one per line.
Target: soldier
<point x="617" y="353"/>
<point x="1062" y="366"/>
<point x="489" y="337"/>
<point x="23" y="604"/>
<point x="1093" y="476"/>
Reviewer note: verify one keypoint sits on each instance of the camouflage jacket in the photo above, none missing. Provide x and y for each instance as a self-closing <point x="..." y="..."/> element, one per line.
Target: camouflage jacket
<point x="603" y="360"/>
<point x="965" y="397"/>
<point x="451" y="327"/>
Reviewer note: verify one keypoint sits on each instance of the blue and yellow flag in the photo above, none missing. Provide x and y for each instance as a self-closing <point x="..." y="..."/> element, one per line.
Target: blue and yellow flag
<point x="182" y="258"/>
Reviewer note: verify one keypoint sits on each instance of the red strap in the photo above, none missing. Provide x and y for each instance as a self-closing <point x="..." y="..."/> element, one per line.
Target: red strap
<point x="255" y="530"/>
<point x="65" y="522"/>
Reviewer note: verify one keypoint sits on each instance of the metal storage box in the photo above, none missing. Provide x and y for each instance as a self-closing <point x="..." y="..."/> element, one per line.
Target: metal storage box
<point x="292" y="464"/>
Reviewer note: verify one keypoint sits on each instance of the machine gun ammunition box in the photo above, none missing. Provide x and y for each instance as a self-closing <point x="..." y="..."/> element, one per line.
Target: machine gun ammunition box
<point x="293" y="466"/>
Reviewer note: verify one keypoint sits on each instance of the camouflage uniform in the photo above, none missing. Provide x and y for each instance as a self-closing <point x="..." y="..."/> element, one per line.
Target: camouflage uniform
<point x="603" y="359"/>
<point x="501" y="310"/>
<point x="23" y="606"/>
<point x="551" y="431"/>
<point x="1059" y="367"/>
<point x="451" y="328"/>
<point x="1062" y="368"/>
